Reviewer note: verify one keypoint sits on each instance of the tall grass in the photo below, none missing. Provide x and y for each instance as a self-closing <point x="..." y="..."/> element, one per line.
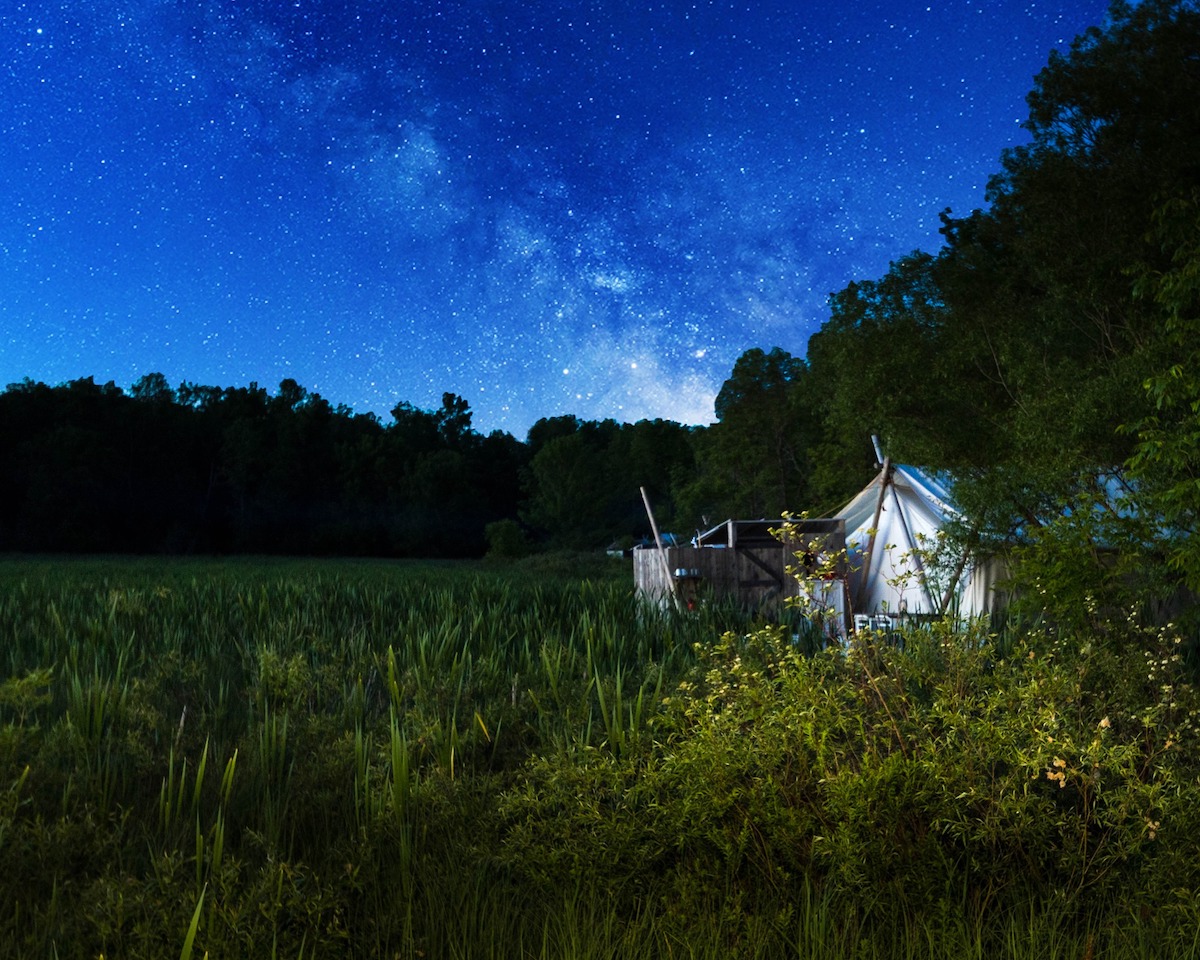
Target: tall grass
<point x="292" y="758"/>
<point x="338" y="691"/>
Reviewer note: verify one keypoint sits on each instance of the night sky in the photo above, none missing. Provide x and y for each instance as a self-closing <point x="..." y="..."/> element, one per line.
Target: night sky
<point x="547" y="208"/>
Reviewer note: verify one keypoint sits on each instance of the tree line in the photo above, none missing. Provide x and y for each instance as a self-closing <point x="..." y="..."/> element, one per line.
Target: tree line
<point x="1048" y="348"/>
<point x="199" y="469"/>
<point x="88" y="467"/>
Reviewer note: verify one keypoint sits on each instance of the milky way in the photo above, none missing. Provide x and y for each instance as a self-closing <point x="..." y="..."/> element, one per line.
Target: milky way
<point x="587" y="208"/>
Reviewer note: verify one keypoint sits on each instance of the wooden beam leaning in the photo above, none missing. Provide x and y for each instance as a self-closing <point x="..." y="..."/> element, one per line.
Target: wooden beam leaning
<point x="662" y="553"/>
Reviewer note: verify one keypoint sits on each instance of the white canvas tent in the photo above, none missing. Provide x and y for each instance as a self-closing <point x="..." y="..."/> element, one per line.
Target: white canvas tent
<point x="898" y="562"/>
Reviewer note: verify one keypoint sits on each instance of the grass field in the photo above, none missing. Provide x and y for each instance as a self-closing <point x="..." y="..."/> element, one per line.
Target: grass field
<point x="289" y="758"/>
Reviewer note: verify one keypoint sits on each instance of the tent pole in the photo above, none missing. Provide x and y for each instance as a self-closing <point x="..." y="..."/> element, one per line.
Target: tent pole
<point x="885" y="478"/>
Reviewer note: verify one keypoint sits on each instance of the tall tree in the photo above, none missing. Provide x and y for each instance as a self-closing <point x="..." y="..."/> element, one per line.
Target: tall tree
<point x="454" y="420"/>
<point x="570" y="490"/>
<point x="753" y="461"/>
<point x="881" y="366"/>
<point x="1166" y="462"/>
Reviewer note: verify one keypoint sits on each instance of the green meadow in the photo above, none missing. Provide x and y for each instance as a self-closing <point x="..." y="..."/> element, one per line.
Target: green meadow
<point x="286" y="758"/>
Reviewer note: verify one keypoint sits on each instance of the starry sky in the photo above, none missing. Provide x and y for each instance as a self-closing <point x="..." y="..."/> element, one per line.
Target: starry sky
<point x="588" y="207"/>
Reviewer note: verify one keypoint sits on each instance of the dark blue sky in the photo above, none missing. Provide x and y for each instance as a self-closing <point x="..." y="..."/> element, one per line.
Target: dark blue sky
<point x="548" y="208"/>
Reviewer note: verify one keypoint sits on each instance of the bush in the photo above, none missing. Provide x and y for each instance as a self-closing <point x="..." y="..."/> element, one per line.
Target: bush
<point x="931" y="774"/>
<point x="506" y="540"/>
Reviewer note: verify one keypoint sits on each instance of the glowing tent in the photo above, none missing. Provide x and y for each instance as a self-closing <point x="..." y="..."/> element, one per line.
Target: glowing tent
<point x="901" y="561"/>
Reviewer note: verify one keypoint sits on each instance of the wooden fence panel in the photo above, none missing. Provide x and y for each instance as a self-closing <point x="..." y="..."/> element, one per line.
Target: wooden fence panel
<point x="744" y="565"/>
<point x="756" y="576"/>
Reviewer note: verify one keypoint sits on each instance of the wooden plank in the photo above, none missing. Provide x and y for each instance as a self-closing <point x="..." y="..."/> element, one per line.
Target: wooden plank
<point x="777" y="576"/>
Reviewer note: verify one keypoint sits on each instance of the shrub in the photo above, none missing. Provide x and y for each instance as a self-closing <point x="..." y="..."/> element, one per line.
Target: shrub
<point x="928" y="774"/>
<point x="506" y="540"/>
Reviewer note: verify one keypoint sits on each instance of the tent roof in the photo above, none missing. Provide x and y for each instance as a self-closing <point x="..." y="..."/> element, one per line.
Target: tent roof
<point x="928" y="493"/>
